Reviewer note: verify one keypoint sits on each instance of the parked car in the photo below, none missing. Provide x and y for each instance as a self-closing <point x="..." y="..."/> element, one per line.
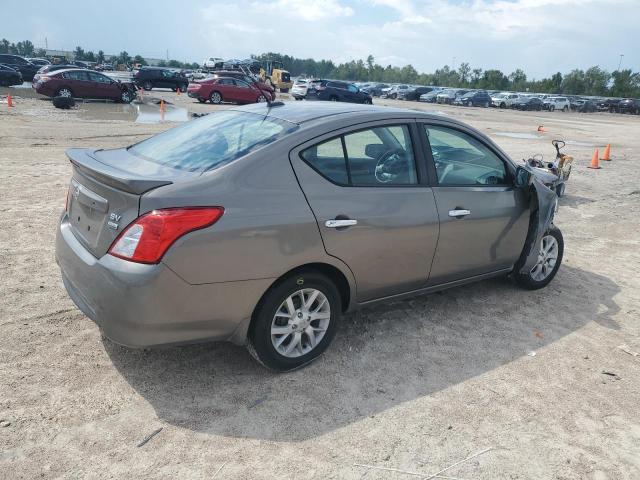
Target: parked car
<point x="299" y="88"/>
<point x="40" y="62"/>
<point x="556" y="103"/>
<point x="226" y="89"/>
<point x="213" y="62"/>
<point x="157" y="77"/>
<point x="268" y="90"/>
<point x="449" y="96"/>
<point x="21" y="64"/>
<point x="336" y="91"/>
<point x="629" y="105"/>
<point x="83" y="83"/>
<point x="527" y="103"/>
<point x="103" y="67"/>
<point x="504" y="99"/>
<point x="46" y="69"/>
<point x="430" y="97"/>
<point x="477" y="98"/>
<point x="587" y="106"/>
<point x="394" y="91"/>
<point x="375" y="90"/>
<point x="414" y="93"/>
<point x="255" y="225"/>
<point x="9" y="76"/>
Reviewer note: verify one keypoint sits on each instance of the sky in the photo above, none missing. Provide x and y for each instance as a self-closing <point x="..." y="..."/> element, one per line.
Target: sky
<point x="540" y="36"/>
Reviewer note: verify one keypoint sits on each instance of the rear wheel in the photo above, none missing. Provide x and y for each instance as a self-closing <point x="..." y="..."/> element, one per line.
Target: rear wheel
<point x="503" y="105"/>
<point x="147" y="85"/>
<point x="215" y="98"/>
<point x="295" y="321"/>
<point x="550" y="253"/>
<point x="333" y="98"/>
<point x="64" y="92"/>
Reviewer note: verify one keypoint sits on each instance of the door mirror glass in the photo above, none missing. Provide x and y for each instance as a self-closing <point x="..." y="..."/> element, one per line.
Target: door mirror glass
<point x="523" y="177"/>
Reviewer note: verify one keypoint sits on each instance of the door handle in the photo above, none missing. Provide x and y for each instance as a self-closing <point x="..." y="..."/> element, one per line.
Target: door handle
<point x="340" y="223"/>
<point x="459" y="213"/>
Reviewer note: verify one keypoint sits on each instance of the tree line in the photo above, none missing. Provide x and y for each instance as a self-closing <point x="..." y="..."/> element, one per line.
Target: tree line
<point x="594" y="81"/>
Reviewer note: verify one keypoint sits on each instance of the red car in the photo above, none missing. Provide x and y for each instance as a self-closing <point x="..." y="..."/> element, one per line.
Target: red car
<point x="83" y="83"/>
<point x="226" y="89"/>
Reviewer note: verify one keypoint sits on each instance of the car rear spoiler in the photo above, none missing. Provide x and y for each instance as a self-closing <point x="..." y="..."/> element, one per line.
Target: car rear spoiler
<point x="85" y="161"/>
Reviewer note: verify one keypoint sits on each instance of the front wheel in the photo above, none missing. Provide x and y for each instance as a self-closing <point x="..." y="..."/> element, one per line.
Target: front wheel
<point x="552" y="108"/>
<point x="147" y="85"/>
<point x="126" y="97"/>
<point x="565" y="109"/>
<point x="550" y="253"/>
<point x="261" y="99"/>
<point x="183" y="88"/>
<point x="295" y="321"/>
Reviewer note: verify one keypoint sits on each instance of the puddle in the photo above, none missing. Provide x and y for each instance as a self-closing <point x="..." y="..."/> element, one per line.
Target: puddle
<point x="525" y="136"/>
<point x="135" y="112"/>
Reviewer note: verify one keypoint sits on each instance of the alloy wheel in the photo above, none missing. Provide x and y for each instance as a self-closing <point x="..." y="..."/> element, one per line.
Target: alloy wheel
<point x="547" y="258"/>
<point x="300" y="322"/>
<point x="64" y="92"/>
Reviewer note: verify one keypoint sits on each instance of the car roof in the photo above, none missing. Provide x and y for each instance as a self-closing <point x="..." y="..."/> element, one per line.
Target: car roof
<point x="303" y="112"/>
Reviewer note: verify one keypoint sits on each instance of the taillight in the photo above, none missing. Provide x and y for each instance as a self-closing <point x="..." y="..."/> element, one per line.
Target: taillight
<point x="148" y="238"/>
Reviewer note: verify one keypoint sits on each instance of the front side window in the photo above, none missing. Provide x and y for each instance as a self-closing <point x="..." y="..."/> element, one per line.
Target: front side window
<point x="379" y="156"/>
<point x="212" y="141"/>
<point x="96" y="77"/>
<point x="462" y="160"/>
<point x="352" y="88"/>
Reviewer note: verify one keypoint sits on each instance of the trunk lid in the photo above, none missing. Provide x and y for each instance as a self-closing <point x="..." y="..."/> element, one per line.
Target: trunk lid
<point x="104" y="194"/>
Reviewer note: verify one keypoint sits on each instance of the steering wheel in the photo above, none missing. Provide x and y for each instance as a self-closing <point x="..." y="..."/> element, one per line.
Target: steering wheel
<point x="390" y="165"/>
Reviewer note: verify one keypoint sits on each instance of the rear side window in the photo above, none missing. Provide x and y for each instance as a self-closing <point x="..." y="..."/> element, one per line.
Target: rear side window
<point x="210" y="142"/>
<point x="75" y="75"/>
<point x="461" y="160"/>
<point x="380" y="156"/>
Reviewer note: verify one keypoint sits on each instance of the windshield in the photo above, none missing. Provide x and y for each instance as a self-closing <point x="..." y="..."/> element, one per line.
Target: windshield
<point x="212" y="141"/>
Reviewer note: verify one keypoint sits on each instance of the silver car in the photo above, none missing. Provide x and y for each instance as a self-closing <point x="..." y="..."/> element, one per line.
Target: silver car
<point x="262" y="225"/>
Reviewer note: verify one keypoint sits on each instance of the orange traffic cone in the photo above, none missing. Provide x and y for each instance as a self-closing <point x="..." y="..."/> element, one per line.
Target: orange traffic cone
<point x="162" y="106"/>
<point x="178" y="91"/>
<point x="9" y="100"/>
<point x="541" y="128"/>
<point x="607" y="153"/>
<point x="594" y="160"/>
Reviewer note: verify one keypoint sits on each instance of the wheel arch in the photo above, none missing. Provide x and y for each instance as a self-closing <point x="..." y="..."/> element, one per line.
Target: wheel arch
<point x="343" y="281"/>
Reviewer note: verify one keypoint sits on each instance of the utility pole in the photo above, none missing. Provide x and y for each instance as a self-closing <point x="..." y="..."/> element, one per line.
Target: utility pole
<point x="620" y="62"/>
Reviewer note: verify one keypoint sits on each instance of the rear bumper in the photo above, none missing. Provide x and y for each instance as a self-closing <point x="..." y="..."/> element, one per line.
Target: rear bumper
<point x="140" y="305"/>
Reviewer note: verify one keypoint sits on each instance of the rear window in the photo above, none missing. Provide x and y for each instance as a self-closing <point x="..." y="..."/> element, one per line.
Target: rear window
<point x="212" y="141"/>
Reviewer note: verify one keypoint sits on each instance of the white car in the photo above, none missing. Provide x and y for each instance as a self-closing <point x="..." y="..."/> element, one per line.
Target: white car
<point x="213" y="62"/>
<point x="299" y="88"/>
<point x="504" y="99"/>
<point x="557" y="103"/>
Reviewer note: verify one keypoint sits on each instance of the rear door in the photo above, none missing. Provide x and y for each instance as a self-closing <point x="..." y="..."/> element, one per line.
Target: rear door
<point x="483" y="218"/>
<point x="367" y="189"/>
<point x="78" y="81"/>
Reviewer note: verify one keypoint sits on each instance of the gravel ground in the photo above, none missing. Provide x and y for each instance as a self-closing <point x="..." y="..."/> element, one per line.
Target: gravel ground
<point x="546" y="380"/>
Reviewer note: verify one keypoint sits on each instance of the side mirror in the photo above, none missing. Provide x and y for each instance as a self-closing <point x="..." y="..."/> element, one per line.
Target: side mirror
<point x="524" y="177"/>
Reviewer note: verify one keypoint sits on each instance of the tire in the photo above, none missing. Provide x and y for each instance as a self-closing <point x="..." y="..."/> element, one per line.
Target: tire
<point x="503" y="105"/>
<point x="528" y="280"/>
<point x="565" y="109"/>
<point x="202" y="100"/>
<point x="263" y="344"/>
<point x="368" y="101"/>
<point x="215" y="98"/>
<point x="183" y="87"/>
<point x="125" y="97"/>
<point x="486" y="105"/>
<point x="261" y="99"/>
<point x="552" y="108"/>
<point x="333" y="98"/>
<point x="147" y="85"/>
<point x="64" y="92"/>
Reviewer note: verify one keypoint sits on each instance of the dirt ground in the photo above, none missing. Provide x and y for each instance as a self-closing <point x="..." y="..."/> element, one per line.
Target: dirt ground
<point x="547" y="380"/>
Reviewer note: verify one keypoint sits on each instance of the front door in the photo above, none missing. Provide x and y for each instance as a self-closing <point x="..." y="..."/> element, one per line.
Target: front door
<point x="483" y="218"/>
<point x="374" y="210"/>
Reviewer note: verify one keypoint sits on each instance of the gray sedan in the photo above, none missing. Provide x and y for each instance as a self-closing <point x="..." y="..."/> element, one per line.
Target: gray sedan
<point x="262" y="225"/>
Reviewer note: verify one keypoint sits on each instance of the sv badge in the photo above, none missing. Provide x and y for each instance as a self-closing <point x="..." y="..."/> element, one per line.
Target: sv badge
<point x="114" y="220"/>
